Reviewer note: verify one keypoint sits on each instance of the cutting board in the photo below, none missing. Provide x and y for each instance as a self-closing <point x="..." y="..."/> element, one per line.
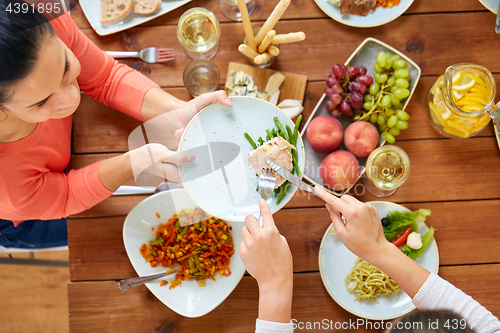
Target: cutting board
<point x="293" y="87"/>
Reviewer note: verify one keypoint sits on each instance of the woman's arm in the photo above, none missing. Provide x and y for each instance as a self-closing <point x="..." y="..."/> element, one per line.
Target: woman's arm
<point x="267" y="258"/>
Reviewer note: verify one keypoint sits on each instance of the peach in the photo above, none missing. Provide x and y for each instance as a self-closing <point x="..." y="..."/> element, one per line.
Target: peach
<point x="339" y="170"/>
<point x="325" y="134"/>
<point x="361" y="138"/>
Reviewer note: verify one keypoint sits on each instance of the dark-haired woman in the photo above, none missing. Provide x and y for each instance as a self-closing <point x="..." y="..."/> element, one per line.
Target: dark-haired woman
<point x="42" y="70"/>
<point x="267" y="258"/>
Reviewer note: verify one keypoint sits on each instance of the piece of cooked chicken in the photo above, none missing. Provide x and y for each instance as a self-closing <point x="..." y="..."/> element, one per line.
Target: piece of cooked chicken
<point x="275" y="149"/>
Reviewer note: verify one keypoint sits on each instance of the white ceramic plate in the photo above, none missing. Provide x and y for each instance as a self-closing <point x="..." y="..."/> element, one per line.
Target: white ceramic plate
<point x="379" y="17"/>
<point x="491" y="5"/>
<point x="92" y="10"/>
<point x="235" y="199"/>
<point x="336" y="261"/>
<point x="189" y="299"/>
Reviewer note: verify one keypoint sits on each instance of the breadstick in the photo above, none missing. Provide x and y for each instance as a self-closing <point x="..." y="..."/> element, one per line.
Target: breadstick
<point x="272" y="20"/>
<point x="273" y="50"/>
<point x="288" y="38"/>
<point x="262" y="58"/>
<point x="267" y="41"/>
<point x="247" y="26"/>
<point x="246" y="50"/>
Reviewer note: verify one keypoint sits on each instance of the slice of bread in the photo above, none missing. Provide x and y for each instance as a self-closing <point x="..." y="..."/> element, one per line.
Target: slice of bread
<point x="115" y="10"/>
<point x="146" y="6"/>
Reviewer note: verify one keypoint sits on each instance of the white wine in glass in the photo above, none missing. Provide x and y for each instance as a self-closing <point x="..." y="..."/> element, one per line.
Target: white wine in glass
<point x="199" y="32"/>
<point x="230" y="8"/>
<point x="387" y="168"/>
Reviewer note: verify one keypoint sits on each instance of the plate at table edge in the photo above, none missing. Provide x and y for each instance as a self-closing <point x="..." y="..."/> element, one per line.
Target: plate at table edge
<point x="245" y="143"/>
<point x="347" y="302"/>
<point x="491" y="5"/>
<point x="343" y="119"/>
<point x="131" y="20"/>
<point x="373" y="19"/>
<point x="222" y="287"/>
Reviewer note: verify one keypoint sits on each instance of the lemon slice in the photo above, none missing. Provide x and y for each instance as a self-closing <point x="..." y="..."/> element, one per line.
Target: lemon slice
<point x="457" y="129"/>
<point x="475" y="78"/>
<point x="481" y="123"/>
<point x="480" y="90"/>
<point x="456" y="78"/>
<point x="436" y="115"/>
<point x="438" y="97"/>
<point x="457" y="95"/>
<point x="472" y="107"/>
<point x="443" y="110"/>
<point x="440" y="81"/>
<point x="474" y="98"/>
<point x="465" y="83"/>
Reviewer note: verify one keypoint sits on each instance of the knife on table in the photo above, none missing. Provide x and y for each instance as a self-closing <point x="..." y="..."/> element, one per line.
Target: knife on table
<point x="291" y="178"/>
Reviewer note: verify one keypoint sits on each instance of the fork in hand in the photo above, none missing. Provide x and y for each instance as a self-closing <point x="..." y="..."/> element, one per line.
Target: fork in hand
<point x="150" y="55"/>
<point x="266" y="185"/>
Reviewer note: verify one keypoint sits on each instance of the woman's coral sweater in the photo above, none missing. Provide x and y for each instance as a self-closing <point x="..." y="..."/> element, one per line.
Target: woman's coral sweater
<point x="32" y="182"/>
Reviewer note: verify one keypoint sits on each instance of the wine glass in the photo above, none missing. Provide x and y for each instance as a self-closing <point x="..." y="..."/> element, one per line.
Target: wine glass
<point x="230" y="9"/>
<point x="199" y="32"/>
<point x="201" y="76"/>
<point x="387" y="168"/>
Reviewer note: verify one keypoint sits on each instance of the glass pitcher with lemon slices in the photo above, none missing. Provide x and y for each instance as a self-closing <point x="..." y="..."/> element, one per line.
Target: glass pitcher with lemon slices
<point x="461" y="102"/>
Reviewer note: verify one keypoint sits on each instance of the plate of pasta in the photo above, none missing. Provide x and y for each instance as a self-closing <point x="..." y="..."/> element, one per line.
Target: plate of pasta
<point x="336" y="265"/>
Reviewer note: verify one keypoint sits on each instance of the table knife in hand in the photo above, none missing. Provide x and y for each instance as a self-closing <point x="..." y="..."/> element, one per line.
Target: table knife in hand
<point x="291" y="178"/>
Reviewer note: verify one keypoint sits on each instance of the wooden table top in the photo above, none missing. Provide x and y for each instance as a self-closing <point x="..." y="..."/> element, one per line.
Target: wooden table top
<point x="456" y="179"/>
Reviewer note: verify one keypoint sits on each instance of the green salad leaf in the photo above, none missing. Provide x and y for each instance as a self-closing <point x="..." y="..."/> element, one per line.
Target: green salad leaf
<point x="399" y="221"/>
<point x="426" y="240"/>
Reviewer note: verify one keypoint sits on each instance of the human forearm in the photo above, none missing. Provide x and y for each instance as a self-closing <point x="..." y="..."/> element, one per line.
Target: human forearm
<point x="115" y="171"/>
<point x="409" y="275"/>
<point x="157" y="101"/>
<point x="275" y="302"/>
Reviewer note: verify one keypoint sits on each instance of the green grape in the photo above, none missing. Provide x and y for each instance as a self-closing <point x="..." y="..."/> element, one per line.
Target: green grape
<point x="402" y="115"/>
<point x="402" y="83"/>
<point x="393" y="89"/>
<point x="392" y="121"/>
<point x="406" y="92"/>
<point x="380" y="78"/>
<point x="390" y="61"/>
<point x="401" y="73"/>
<point x="368" y="105"/>
<point x="367" y="98"/>
<point x="386" y="101"/>
<point x="388" y="55"/>
<point x="380" y="120"/>
<point x="402" y="125"/>
<point x="395" y="101"/>
<point x="374" y="88"/>
<point x="388" y="112"/>
<point x="399" y="93"/>
<point x="397" y="106"/>
<point x="395" y="58"/>
<point x="382" y="127"/>
<point x="377" y="68"/>
<point x="399" y="64"/>
<point x="395" y="131"/>
<point x="373" y="118"/>
<point x="389" y="137"/>
<point x="381" y="59"/>
<point x="391" y="80"/>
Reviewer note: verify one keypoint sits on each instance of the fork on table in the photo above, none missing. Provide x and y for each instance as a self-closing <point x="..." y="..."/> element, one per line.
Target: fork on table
<point x="266" y="185"/>
<point x="150" y="55"/>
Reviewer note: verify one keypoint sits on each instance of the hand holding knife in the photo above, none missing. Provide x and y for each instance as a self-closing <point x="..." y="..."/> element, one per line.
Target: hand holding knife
<point x="290" y="177"/>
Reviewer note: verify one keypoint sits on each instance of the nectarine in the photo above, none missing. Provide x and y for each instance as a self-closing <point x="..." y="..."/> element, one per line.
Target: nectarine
<point x="325" y="134"/>
<point x="339" y="170"/>
<point x="361" y="138"/>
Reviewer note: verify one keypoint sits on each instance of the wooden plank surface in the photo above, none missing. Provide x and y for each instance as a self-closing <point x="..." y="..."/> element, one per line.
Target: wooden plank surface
<point x="95" y="305"/>
<point x="453" y="41"/>
<point x="293" y="87"/>
<point x="455" y="222"/>
<point x="298" y="9"/>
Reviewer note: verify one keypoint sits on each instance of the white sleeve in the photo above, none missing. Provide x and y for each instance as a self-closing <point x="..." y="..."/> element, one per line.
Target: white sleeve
<point x="263" y="326"/>
<point x="438" y="294"/>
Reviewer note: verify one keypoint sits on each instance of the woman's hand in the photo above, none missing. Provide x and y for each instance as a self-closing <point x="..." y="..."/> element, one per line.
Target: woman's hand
<point x="268" y="259"/>
<point x="362" y="231"/>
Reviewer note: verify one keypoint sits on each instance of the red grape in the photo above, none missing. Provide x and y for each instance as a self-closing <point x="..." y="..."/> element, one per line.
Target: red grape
<point x="358" y="87"/>
<point x="330" y="82"/>
<point x="337" y="99"/>
<point x="328" y="91"/>
<point x="356" y="97"/>
<point x="345" y="108"/>
<point x="365" y="79"/>
<point x="329" y="105"/>
<point x="336" y="113"/>
<point x="362" y="70"/>
<point x="337" y="89"/>
<point x="357" y="105"/>
<point x="339" y="70"/>
<point x="353" y="72"/>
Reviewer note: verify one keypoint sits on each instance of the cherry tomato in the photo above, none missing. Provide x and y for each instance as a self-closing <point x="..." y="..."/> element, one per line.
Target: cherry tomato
<point x="402" y="237"/>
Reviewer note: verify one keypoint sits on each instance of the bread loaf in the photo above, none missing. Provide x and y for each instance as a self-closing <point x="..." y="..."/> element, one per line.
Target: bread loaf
<point x="146" y="6"/>
<point x="115" y="10"/>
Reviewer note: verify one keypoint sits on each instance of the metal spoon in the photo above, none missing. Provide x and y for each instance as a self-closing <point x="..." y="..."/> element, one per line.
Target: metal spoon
<point x="137" y="281"/>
